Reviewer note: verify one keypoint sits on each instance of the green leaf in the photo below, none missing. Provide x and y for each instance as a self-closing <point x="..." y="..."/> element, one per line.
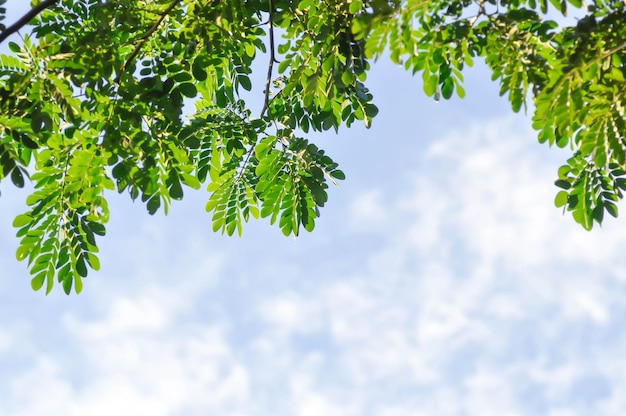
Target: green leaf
<point x="563" y="184"/>
<point x="93" y="261"/>
<point x="244" y="81"/>
<point x="67" y="284"/>
<point x="598" y="214"/>
<point x="97" y="228"/>
<point x="22" y="252"/>
<point x="87" y="107"/>
<point x="355" y="6"/>
<point x="37" y="282"/>
<point x="81" y="267"/>
<point x="153" y="205"/>
<point x="28" y="142"/>
<point x="338" y="174"/>
<point x="191" y="181"/>
<point x="430" y="84"/>
<point x="611" y="208"/>
<point x="176" y="190"/>
<point x="283" y="65"/>
<point x="560" y="199"/>
<point x="22" y="220"/>
<point x="78" y="284"/>
<point x="198" y="71"/>
<point x="17" y="178"/>
<point x="188" y="89"/>
<point x="447" y="88"/>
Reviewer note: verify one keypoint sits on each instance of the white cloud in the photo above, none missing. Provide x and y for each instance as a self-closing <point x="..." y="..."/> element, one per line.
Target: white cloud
<point x="137" y="374"/>
<point x="587" y="304"/>
<point x="488" y="393"/>
<point x="368" y="210"/>
<point x="40" y="390"/>
<point x="310" y="402"/>
<point x="6" y="341"/>
<point x="138" y="358"/>
<point x="291" y="312"/>
<point x="125" y="315"/>
<point x="476" y="297"/>
<point x="486" y="250"/>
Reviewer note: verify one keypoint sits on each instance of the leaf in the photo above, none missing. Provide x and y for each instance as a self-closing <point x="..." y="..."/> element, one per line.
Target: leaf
<point x="430" y="84"/>
<point x="28" y="142"/>
<point x="447" y="88"/>
<point x="283" y="65"/>
<point x="188" y="89"/>
<point x="355" y="6"/>
<point x="560" y="199"/>
<point x="176" y="190"/>
<point x="198" y="71"/>
<point x="22" y="252"/>
<point x="191" y="181"/>
<point x="67" y="284"/>
<point x="87" y="107"/>
<point x="611" y="209"/>
<point x="37" y="282"/>
<point x="598" y="214"/>
<point x="153" y="205"/>
<point x="81" y="267"/>
<point x="93" y="261"/>
<point x="97" y="228"/>
<point x="338" y="174"/>
<point x="244" y="81"/>
<point x="22" y="220"/>
<point x="78" y="284"/>
<point x="17" y="178"/>
<point x="563" y="184"/>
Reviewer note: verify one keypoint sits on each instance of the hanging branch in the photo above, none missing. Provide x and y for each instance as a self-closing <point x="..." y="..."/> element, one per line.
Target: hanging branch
<point x="145" y="37"/>
<point x="24" y="20"/>
<point x="268" y="81"/>
<point x="270" y="67"/>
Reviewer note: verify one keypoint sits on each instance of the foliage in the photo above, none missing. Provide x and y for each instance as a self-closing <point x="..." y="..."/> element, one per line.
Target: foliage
<point x="92" y="100"/>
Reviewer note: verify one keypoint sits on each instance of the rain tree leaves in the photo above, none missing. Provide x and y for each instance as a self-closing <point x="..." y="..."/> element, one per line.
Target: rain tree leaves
<point x="95" y="98"/>
<point x="574" y="75"/>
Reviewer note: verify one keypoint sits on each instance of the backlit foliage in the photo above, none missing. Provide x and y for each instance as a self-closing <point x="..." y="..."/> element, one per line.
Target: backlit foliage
<point x="92" y="97"/>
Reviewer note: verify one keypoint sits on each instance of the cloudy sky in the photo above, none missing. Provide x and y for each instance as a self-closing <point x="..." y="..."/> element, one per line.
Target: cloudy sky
<point x="440" y="280"/>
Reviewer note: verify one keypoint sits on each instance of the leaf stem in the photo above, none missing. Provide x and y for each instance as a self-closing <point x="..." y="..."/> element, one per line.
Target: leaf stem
<point x="145" y="37"/>
<point x="268" y="81"/>
<point x="270" y="67"/>
<point x="24" y="20"/>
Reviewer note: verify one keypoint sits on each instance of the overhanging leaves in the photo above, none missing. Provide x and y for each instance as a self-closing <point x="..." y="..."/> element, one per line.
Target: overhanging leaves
<point x="96" y="98"/>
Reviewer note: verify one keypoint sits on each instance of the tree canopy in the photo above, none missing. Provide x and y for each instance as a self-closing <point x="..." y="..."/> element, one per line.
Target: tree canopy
<point x="93" y="91"/>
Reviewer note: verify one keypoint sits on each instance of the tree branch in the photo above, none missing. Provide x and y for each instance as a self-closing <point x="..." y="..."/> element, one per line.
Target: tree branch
<point x="145" y="37"/>
<point x="268" y="81"/>
<point x="270" y="67"/>
<point x="24" y="20"/>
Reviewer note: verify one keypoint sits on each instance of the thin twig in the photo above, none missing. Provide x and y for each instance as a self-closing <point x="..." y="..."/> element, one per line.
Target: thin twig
<point x="145" y="37"/>
<point x="270" y="67"/>
<point x="24" y="20"/>
<point x="481" y="12"/>
<point x="268" y="81"/>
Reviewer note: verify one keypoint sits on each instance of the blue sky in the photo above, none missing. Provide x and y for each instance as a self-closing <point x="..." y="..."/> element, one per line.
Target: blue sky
<point x="440" y="280"/>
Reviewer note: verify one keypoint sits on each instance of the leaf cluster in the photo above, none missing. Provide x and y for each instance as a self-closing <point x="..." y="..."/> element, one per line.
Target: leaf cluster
<point x="94" y="98"/>
<point x="573" y="75"/>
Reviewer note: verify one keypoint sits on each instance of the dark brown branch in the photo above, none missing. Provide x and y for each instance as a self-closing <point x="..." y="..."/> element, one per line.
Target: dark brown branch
<point x="270" y="67"/>
<point x="24" y="20"/>
<point x="145" y="37"/>
<point x="268" y="81"/>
